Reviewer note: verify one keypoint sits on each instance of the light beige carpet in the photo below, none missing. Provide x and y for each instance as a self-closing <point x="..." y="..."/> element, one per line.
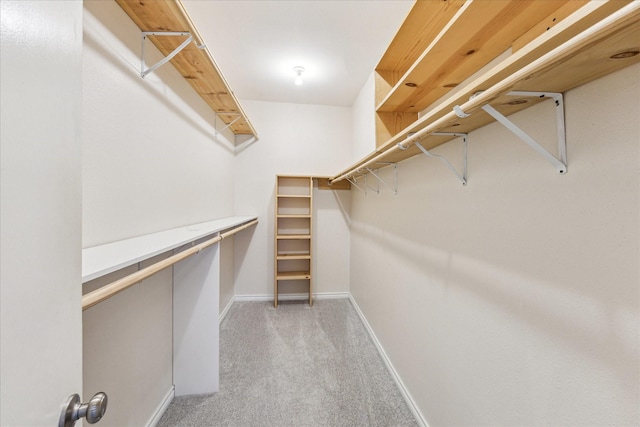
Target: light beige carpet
<point x="295" y="366"/>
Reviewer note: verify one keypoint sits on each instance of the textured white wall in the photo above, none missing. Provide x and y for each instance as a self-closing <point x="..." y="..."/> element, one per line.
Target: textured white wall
<point x="40" y="199"/>
<point x="364" y="121"/>
<point x="150" y="162"/>
<point x="514" y="300"/>
<point x="294" y="139"/>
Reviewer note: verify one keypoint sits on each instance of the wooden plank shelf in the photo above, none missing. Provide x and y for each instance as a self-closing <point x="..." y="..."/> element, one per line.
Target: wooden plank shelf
<point x="293" y="275"/>
<point x="294" y="196"/>
<point x="284" y="257"/>
<point x="599" y="38"/>
<point x="293" y="216"/>
<point x="195" y="64"/>
<point x="479" y="32"/>
<point x="293" y="236"/>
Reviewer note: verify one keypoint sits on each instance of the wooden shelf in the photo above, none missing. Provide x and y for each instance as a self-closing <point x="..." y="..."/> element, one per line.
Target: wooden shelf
<point x="284" y="257"/>
<point x="477" y="33"/>
<point x="196" y="65"/>
<point x="293" y="275"/>
<point x="100" y="260"/>
<point x="578" y="49"/>
<point x="293" y="258"/>
<point x="293" y="236"/>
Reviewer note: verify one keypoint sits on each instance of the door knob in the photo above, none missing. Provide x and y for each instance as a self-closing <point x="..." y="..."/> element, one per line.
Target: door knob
<point x="73" y="410"/>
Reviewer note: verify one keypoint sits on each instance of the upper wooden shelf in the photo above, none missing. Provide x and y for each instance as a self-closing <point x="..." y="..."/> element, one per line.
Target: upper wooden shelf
<point x="459" y="38"/>
<point x="195" y="64"/>
<point x="598" y="38"/>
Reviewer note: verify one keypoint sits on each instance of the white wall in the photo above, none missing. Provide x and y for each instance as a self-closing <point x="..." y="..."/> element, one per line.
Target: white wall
<point x="40" y="178"/>
<point x="514" y="300"/>
<point x="294" y="139"/>
<point x="364" y="121"/>
<point x="151" y="162"/>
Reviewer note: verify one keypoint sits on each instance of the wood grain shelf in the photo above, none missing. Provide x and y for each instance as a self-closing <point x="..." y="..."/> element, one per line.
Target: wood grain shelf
<point x="475" y="35"/>
<point x="195" y="64"/>
<point x="294" y="275"/>
<point x="580" y="48"/>
<point x="284" y="257"/>
<point x="293" y="236"/>
<point x="293" y="249"/>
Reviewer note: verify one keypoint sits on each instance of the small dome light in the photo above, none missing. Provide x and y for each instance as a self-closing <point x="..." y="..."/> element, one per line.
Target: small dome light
<point x="298" y="70"/>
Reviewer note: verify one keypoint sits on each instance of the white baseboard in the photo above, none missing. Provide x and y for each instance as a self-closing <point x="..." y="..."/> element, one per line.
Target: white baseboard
<point x="226" y="310"/>
<point x="162" y="408"/>
<point x="403" y="390"/>
<point x="293" y="297"/>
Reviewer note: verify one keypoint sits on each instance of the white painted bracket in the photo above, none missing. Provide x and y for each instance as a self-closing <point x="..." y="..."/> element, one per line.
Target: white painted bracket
<point x="559" y="163"/>
<point x="228" y="125"/>
<point x="354" y="182"/>
<point x="144" y="72"/>
<point x="376" y="189"/>
<point x="380" y="180"/>
<point x="461" y="176"/>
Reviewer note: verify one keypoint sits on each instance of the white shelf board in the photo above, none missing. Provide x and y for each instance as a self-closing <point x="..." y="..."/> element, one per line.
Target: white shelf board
<point x="104" y="259"/>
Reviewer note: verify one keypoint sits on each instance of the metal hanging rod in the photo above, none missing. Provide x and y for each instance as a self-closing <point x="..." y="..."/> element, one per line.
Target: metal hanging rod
<point x="461" y="176"/>
<point x="113" y="288"/>
<point x="169" y="57"/>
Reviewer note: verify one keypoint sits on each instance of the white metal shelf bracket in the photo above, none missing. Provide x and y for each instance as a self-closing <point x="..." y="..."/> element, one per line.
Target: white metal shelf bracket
<point x="169" y="57"/>
<point x="559" y="163"/>
<point x="395" y="185"/>
<point x="354" y="182"/>
<point x="461" y="176"/>
<point x="376" y="189"/>
<point x="228" y="125"/>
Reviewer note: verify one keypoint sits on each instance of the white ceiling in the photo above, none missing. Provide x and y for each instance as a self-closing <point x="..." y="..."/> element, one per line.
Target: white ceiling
<point x="256" y="44"/>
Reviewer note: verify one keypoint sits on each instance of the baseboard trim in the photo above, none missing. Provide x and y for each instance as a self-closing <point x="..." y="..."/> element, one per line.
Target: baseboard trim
<point x="226" y="309"/>
<point x="403" y="390"/>
<point x="292" y="297"/>
<point x="162" y="408"/>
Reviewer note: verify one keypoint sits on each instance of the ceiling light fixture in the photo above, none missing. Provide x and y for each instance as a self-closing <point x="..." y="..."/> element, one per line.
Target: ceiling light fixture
<point x="298" y="70"/>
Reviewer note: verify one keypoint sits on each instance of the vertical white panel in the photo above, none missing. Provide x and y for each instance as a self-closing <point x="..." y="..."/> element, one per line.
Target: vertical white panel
<point x="196" y="287"/>
<point x="41" y="329"/>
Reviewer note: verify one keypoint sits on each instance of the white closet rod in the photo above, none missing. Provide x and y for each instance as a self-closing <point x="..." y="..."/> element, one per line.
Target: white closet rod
<point x="113" y="288"/>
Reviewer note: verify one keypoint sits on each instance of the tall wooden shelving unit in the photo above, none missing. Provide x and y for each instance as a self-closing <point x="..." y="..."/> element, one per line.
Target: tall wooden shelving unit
<point x="293" y="232"/>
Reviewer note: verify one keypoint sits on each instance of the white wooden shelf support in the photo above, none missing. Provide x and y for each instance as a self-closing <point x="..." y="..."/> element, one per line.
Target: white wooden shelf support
<point x="559" y="163"/>
<point x="145" y="34"/>
<point x="461" y="176"/>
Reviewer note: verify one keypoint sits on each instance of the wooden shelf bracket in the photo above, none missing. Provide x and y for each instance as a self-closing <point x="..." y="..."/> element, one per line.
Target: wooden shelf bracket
<point x="461" y="176"/>
<point x="559" y="163"/>
<point x="177" y="50"/>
